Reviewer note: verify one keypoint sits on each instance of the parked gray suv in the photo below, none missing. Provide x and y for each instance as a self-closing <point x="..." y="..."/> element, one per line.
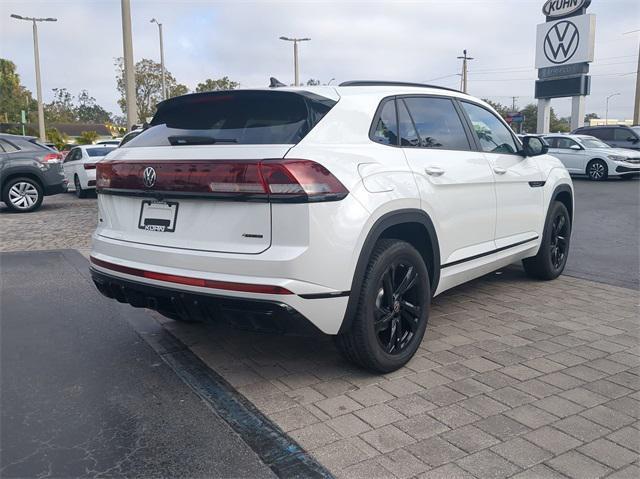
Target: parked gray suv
<point x="616" y="136"/>
<point x="29" y="171"/>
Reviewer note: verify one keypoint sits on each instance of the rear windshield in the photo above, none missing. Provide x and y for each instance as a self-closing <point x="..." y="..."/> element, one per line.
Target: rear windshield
<point x="100" y="151"/>
<point x="242" y="117"/>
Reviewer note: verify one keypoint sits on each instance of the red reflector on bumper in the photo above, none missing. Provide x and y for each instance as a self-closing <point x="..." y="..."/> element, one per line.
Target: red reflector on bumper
<point x="202" y="283"/>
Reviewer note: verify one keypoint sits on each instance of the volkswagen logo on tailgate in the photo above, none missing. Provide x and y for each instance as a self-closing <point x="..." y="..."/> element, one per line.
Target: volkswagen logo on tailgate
<point x="561" y="42"/>
<point x="149" y="177"/>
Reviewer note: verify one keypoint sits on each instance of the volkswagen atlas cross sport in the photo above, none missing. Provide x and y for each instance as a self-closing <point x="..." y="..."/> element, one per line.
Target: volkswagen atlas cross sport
<point x="340" y="209"/>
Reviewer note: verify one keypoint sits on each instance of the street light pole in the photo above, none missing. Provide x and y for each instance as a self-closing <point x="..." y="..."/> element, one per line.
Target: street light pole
<point x="164" y="86"/>
<point x="36" y="53"/>
<point x="129" y="74"/>
<point x="606" y="111"/>
<point x="295" y="56"/>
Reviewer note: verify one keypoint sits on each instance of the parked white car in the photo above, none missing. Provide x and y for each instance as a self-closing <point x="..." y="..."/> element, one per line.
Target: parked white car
<point x="587" y="155"/>
<point x="112" y="142"/>
<point x="80" y="167"/>
<point x="340" y="209"/>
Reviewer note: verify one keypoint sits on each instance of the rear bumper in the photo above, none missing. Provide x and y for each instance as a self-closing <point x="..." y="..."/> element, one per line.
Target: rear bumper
<point x="55" y="189"/>
<point x="254" y="314"/>
<point x="321" y="307"/>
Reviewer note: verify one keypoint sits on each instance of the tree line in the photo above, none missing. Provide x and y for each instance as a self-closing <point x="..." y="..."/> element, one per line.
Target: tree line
<point x="530" y="112"/>
<point x="65" y="107"/>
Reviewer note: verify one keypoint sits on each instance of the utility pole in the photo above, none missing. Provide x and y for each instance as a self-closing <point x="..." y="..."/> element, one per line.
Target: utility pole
<point x="36" y="53"/>
<point x="129" y="73"/>
<point x="295" y="56"/>
<point x="164" y="86"/>
<point x="463" y="80"/>
<point x="513" y="103"/>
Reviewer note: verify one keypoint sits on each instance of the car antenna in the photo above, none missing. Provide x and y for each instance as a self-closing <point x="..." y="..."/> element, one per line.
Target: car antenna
<point x="275" y="83"/>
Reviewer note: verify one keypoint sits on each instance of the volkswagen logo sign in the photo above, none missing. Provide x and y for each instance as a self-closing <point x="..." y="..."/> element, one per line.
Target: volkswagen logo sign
<point x="149" y="177"/>
<point x="561" y="42"/>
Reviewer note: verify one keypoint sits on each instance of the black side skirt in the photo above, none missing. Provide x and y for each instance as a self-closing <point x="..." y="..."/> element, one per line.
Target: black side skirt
<point x="471" y="258"/>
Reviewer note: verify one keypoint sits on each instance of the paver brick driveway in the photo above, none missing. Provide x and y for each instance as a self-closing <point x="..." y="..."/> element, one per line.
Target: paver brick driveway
<point x="515" y="378"/>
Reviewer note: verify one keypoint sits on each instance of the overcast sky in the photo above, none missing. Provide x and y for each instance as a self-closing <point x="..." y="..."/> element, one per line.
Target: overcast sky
<point x="410" y="41"/>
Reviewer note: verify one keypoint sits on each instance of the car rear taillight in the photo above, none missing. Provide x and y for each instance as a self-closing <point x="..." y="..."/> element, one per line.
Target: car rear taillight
<point x="273" y="180"/>
<point x="89" y="166"/>
<point x="52" y="158"/>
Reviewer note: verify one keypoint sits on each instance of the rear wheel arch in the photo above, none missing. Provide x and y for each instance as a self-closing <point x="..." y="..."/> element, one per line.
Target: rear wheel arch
<point x="411" y="225"/>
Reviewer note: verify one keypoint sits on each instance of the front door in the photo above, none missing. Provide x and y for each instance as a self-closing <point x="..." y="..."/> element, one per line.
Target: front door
<point x="455" y="182"/>
<point x="569" y="153"/>
<point x="518" y="179"/>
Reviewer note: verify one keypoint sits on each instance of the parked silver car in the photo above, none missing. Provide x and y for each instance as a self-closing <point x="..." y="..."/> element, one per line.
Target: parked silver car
<point x="587" y="155"/>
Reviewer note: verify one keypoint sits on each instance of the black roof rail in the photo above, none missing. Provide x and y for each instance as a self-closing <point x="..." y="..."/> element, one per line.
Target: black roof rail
<point x="393" y="83"/>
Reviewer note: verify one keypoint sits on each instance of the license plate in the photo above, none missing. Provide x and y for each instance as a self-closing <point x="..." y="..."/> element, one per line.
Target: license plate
<point x="158" y="216"/>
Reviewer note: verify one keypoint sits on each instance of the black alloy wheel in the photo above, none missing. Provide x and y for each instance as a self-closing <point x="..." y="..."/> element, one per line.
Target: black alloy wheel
<point x="398" y="305"/>
<point x="393" y="309"/>
<point x="559" y="244"/>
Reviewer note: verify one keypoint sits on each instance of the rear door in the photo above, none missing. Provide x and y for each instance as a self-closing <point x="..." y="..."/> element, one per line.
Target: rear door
<point x="518" y="179"/>
<point x="455" y="181"/>
<point x="191" y="180"/>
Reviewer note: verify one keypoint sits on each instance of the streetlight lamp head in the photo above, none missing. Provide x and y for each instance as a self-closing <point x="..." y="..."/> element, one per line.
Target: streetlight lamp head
<point x="19" y="17"/>
<point x="50" y="19"/>
<point x="285" y="38"/>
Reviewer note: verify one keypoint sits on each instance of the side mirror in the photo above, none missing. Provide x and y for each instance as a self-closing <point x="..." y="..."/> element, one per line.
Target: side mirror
<point x="534" y="146"/>
<point x="575" y="147"/>
<point x="633" y="139"/>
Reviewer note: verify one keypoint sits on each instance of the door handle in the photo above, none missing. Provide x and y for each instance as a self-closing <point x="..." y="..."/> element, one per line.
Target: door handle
<point x="434" y="171"/>
<point x="499" y="171"/>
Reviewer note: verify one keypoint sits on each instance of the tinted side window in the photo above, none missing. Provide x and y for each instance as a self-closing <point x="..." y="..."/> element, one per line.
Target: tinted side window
<point x="8" y="147"/>
<point x="553" y="142"/>
<point x="386" y="127"/>
<point x="494" y="136"/>
<point x="622" y="134"/>
<point x="408" y="135"/>
<point x="437" y="123"/>
<point x="565" y="143"/>
<point x="602" y="133"/>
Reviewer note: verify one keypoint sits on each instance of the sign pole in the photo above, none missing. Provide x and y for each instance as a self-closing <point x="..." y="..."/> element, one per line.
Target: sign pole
<point x="636" y="110"/>
<point x="577" y="112"/>
<point x="544" y="116"/>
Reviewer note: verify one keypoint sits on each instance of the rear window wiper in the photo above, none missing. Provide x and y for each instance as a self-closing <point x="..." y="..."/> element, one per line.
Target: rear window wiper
<point x="180" y="140"/>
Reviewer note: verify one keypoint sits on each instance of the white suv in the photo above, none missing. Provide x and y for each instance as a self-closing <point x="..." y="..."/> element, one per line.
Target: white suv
<point x="340" y="209"/>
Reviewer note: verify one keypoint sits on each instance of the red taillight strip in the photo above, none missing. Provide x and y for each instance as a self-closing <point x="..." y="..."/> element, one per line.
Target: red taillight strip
<point x="202" y="283"/>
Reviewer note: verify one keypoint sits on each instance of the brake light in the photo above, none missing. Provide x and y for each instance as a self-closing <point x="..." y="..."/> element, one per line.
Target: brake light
<point x="89" y="166"/>
<point x="272" y="180"/>
<point x="52" y="158"/>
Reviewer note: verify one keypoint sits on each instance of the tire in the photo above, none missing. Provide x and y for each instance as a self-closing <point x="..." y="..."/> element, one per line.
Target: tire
<point x="22" y="194"/>
<point x="597" y="170"/>
<point x="80" y="193"/>
<point x="552" y="257"/>
<point x="401" y="320"/>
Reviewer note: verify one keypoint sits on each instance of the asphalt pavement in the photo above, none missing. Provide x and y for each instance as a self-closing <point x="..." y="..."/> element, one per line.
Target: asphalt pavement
<point x="84" y="395"/>
<point x="605" y="243"/>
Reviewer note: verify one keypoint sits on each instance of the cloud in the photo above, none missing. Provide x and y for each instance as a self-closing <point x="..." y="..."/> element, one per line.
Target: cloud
<point x="412" y="41"/>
